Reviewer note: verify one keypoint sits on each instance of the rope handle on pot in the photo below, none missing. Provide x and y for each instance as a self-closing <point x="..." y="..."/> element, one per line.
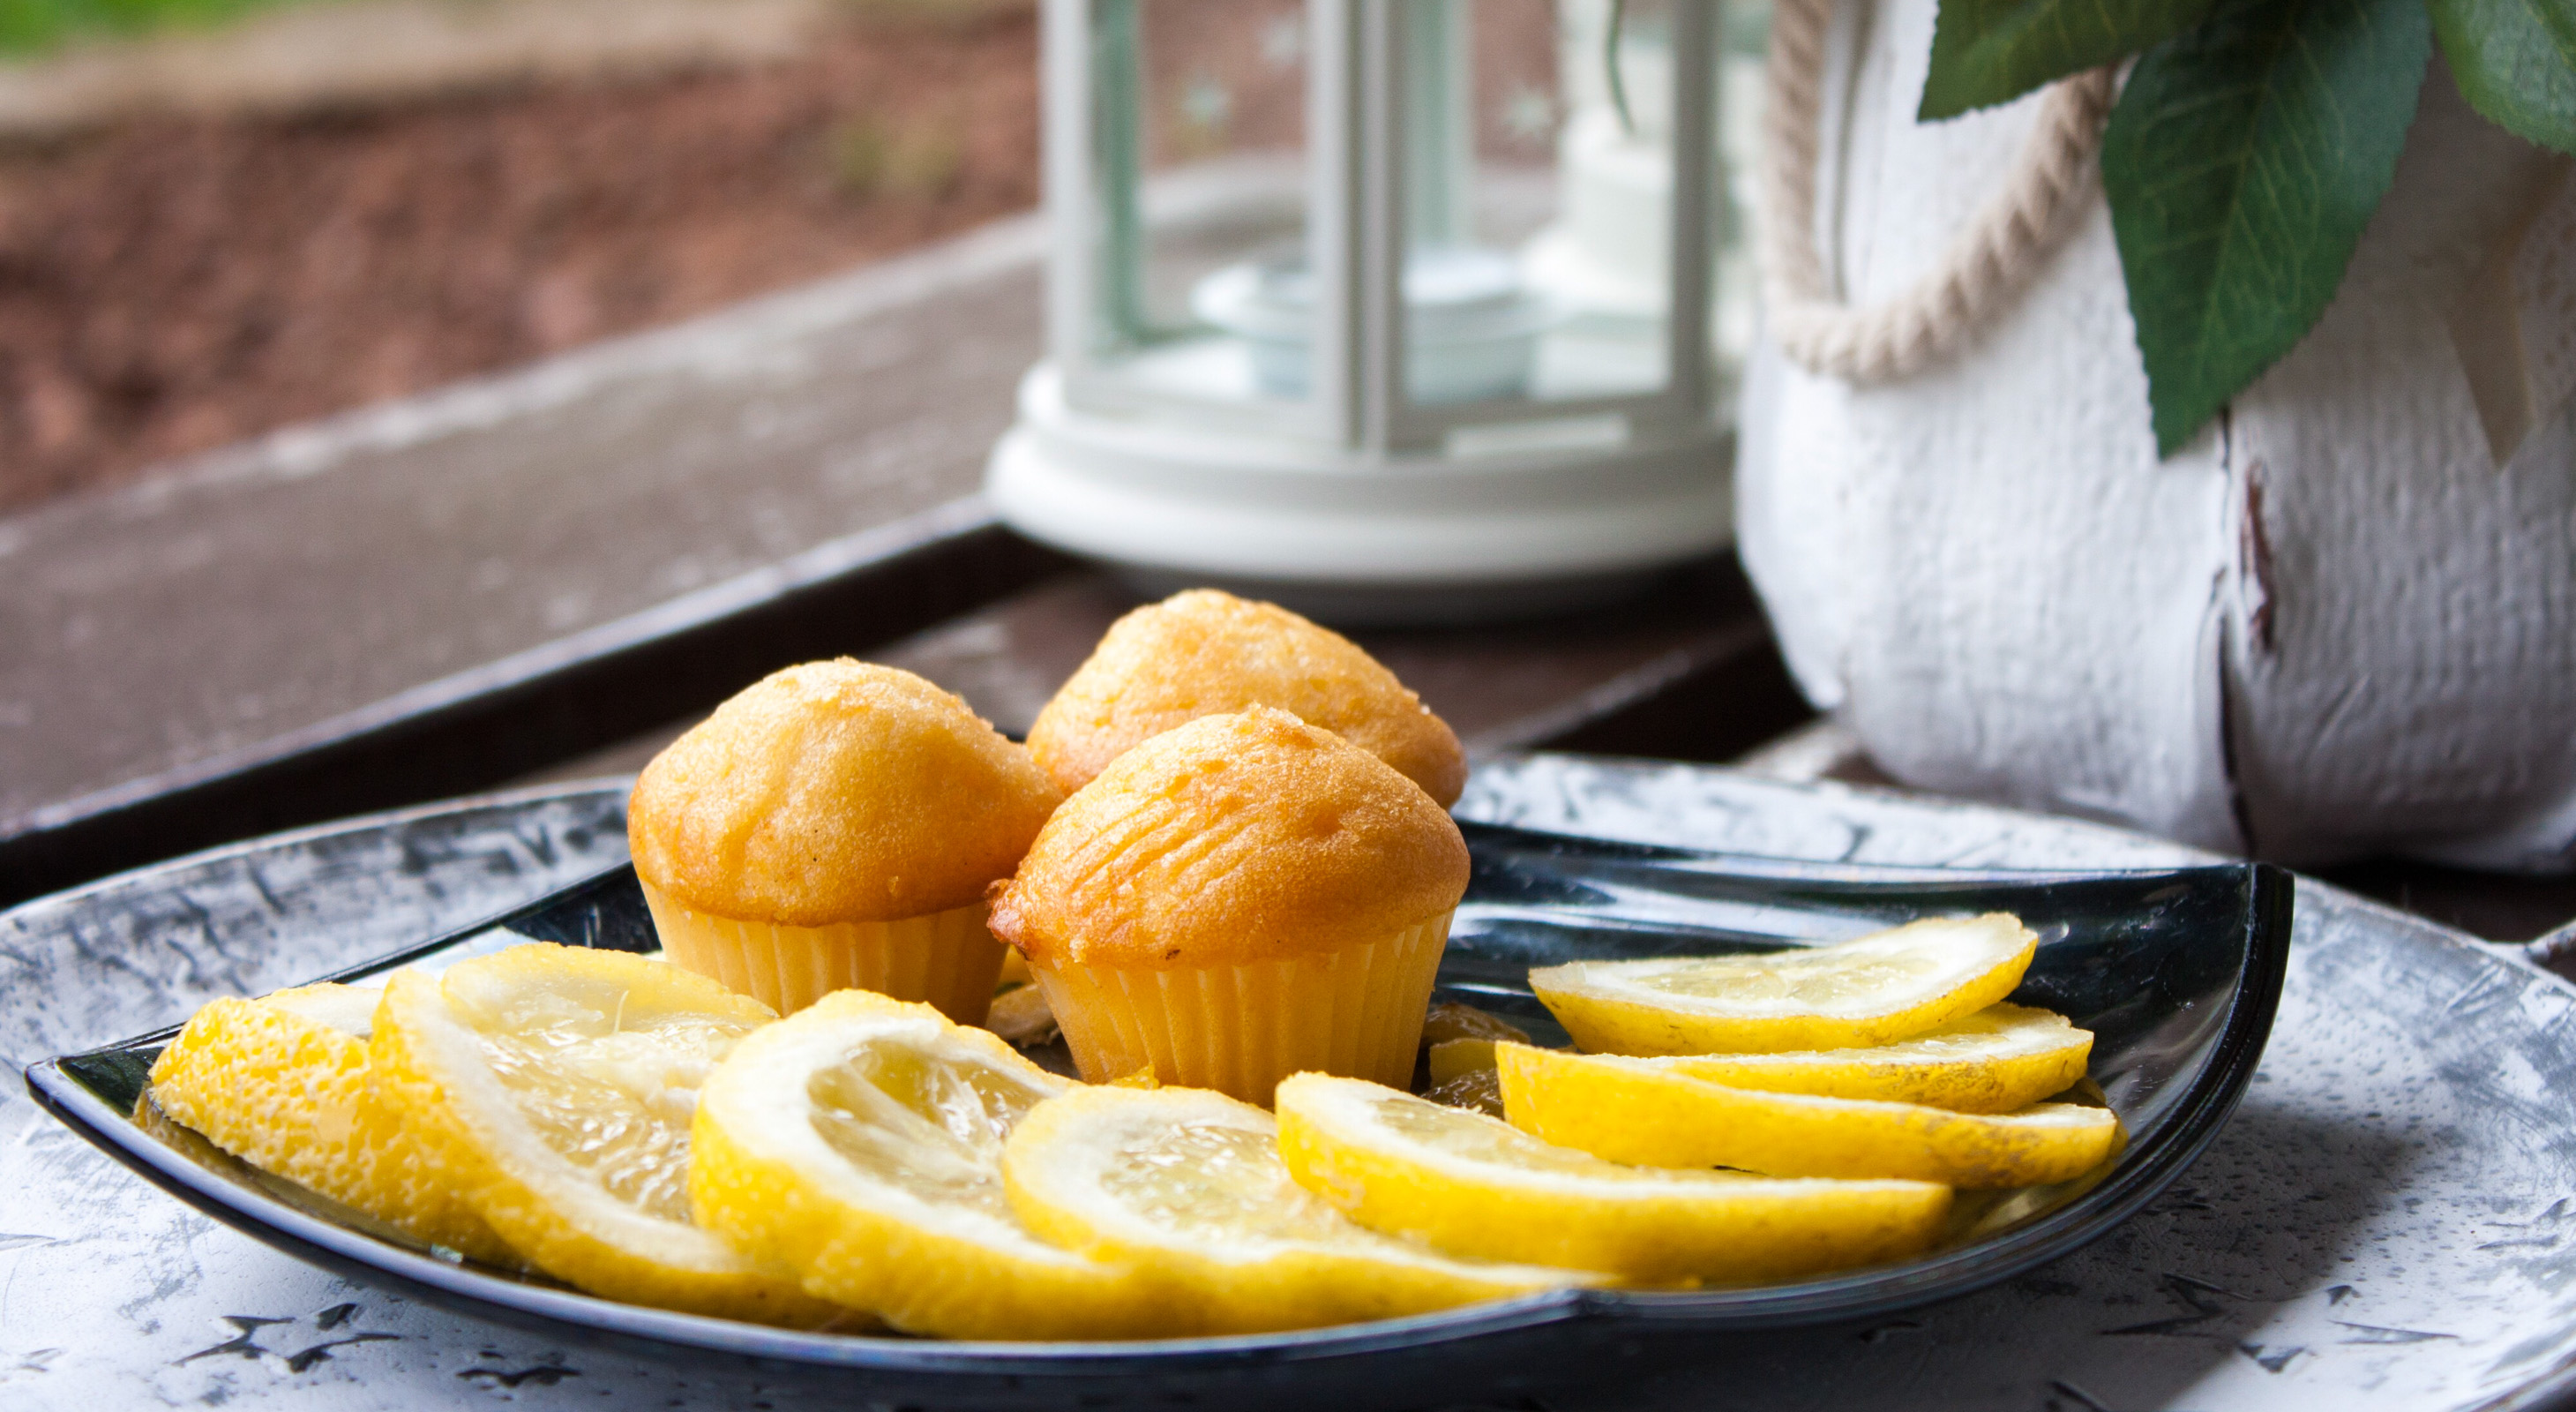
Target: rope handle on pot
<point x="1991" y="260"/>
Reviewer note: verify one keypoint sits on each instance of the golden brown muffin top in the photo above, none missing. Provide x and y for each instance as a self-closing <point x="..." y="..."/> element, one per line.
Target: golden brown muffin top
<point x="836" y="792"/>
<point x="1242" y="837"/>
<point x="1204" y="653"/>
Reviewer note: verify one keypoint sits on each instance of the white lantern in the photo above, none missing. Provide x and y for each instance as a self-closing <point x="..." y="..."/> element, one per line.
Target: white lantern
<point x="1390" y="309"/>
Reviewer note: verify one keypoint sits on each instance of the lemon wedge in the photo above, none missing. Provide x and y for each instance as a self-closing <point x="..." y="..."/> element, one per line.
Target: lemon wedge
<point x="1632" y="1110"/>
<point x="552" y="1087"/>
<point x="1999" y="1059"/>
<point x="1188" y="1183"/>
<point x="281" y="1082"/>
<point x="1451" y="1058"/>
<point x="858" y="1142"/>
<point x="1867" y="991"/>
<point x="1476" y="1186"/>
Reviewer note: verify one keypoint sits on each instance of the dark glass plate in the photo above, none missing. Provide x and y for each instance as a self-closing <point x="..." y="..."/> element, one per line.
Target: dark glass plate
<point x="2176" y="972"/>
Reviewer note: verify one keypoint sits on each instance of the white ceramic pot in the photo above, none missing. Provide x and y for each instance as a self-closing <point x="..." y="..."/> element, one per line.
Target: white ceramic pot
<point x="2341" y="622"/>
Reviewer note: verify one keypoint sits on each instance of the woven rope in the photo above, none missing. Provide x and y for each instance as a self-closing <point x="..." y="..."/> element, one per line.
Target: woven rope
<point x="1988" y="263"/>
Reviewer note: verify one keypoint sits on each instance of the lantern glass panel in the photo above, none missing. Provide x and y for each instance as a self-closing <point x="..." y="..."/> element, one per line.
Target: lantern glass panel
<point x="1199" y="132"/>
<point x="1537" y="195"/>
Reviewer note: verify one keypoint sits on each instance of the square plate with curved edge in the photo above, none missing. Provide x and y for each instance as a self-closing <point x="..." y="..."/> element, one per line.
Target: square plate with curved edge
<point x="2177" y="973"/>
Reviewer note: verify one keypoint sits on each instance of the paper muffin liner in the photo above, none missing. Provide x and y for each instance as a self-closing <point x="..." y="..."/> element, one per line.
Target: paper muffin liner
<point x="1240" y="1029"/>
<point x="947" y="958"/>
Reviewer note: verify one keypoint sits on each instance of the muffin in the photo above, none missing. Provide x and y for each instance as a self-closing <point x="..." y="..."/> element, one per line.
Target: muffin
<point x="1204" y="653"/>
<point x="1236" y="900"/>
<point x="837" y="824"/>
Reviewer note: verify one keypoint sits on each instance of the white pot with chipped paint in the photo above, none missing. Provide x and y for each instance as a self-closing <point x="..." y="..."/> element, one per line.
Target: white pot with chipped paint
<point x="2342" y="622"/>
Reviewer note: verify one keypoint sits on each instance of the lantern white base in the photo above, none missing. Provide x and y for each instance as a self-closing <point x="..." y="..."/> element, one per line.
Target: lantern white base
<point x="1518" y="530"/>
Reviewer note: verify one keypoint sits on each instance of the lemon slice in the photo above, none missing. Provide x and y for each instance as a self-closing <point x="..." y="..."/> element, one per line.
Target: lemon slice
<point x="281" y="1082"/>
<point x="1452" y="1058"/>
<point x="858" y="1142"/>
<point x="1188" y="1183"/>
<point x="1871" y="990"/>
<point x="1632" y="1110"/>
<point x="552" y="1087"/>
<point x="1476" y="1186"/>
<point x="1994" y="1061"/>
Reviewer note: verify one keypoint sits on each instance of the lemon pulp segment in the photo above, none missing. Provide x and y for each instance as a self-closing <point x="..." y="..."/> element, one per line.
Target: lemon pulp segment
<point x="1867" y="991"/>
<point x="1189" y="1183"/>
<point x="281" y="1082"/>
<point x="553" y="1087"/>
<point x="1630" y="1110"/>
<point x="1476" y="1186"/>
<point x="1999" y="1059"/>
<point x="858" y="1142"/>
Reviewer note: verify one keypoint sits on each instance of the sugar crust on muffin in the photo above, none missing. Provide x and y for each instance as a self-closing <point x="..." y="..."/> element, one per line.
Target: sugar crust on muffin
<point x="832" y="792"/>
<point x="1241" y="837"/>
<point x="1205" y="652"/>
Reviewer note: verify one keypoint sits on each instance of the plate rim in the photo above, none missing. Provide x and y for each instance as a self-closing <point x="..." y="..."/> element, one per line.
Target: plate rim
<point x="2201" y="1113"/>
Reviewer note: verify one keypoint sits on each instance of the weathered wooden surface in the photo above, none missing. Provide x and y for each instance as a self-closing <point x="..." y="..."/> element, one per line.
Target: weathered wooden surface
<point x="333" y="567"/>
<point x="2384" y="1224"/>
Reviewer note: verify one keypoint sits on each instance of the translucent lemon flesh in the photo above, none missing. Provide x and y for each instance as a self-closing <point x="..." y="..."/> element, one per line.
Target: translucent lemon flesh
<point x="553" y="1087"/>
<point x="1633" y="1111"/>
<point x="1999" y="1059"/>
<point x="859" y="1143"/>
<point x="1475" y="1186"/>
<point x="1867" y="991"/>
<point x="1189" y="1185"/>
<point x="281" y="1082"/>
<point x="616" y="1104"/>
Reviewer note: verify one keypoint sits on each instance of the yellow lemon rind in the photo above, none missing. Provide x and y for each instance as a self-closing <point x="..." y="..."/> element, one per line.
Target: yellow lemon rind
<point x="1626" y="1110"/>
<point x="1332" y="1271"/>
<point x="1560" y="1207"/>
<point x="288" y="1093"/>
<point x="1606" y="1012"/>
<point x="432" y="1068"/>
<point x="762" y="1174"/>
<point x="2002" y="1058"/>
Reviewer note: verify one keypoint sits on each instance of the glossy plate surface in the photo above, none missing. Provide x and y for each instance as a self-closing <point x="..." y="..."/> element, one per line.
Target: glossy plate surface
<point x="2178" y="973"/>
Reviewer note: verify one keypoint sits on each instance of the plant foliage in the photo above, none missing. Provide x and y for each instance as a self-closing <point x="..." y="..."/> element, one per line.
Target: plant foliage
<point x="34" y="26"/>
<point x="1986" y="52"/>
<point x="2250" y="145"/>
<point x="2242" y="163"/>
<point x="2515" y="61"/>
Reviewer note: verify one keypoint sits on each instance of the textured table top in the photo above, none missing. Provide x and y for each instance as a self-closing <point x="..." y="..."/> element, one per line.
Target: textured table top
<point x="2385" y="1223"/>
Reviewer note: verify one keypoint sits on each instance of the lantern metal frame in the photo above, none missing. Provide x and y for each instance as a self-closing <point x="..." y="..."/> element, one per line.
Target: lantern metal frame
<point x="1359" y="498"/>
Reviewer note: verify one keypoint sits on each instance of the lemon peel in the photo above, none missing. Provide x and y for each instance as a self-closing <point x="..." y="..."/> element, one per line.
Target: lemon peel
<point x="1476" y="1186"/>
<point x="1189" y="1184"/>
<point x="1631" y="1110"/>
<point x="1999" y="1059"/>
<point x="1866" y="991"/>
<point x="858" y="1143"/>
<point x="550" y="1086"/>
<point x="281" y="1082"/>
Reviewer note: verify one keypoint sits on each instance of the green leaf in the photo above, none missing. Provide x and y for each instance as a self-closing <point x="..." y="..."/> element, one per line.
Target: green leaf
<point x="2242" y="162"/>
<point x="1986" y="52"/>
<point x="2516" y="62"/>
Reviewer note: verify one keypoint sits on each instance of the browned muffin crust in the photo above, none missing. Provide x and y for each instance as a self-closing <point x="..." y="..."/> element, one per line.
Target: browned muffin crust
<point x="1204" y="653"/>
<point x="835" y="792"/>
<point x="1234" y="838"/>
